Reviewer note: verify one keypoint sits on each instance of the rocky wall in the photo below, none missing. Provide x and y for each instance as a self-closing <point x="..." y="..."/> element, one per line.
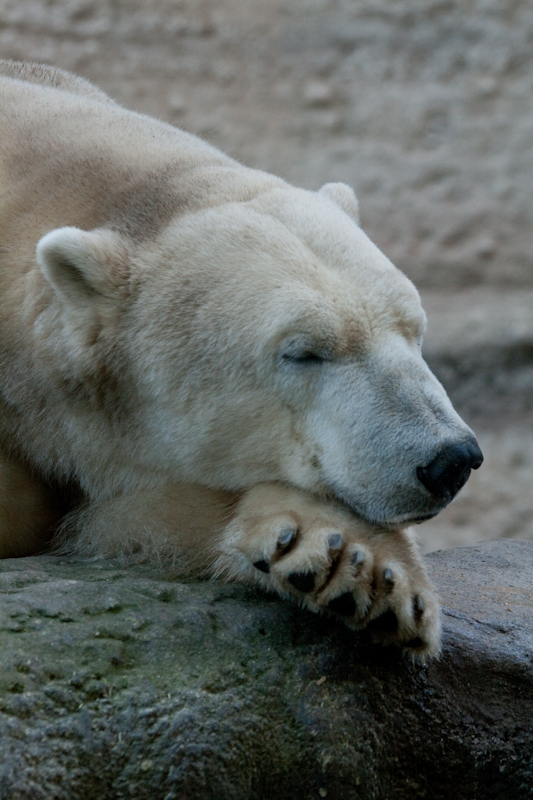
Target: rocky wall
<point x="118" y="683"/>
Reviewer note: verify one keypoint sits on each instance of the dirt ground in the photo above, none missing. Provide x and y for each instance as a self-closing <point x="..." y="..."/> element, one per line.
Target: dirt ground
<point x="423" y="106"/>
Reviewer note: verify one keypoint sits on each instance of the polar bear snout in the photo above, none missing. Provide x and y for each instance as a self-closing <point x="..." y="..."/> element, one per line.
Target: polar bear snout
<point x="450" y="468"/>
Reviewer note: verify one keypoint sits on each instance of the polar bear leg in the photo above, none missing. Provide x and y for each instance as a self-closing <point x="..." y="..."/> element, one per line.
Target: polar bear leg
<point x="281" y="539"/>
<point x="176" y="523"/>
<point x="329" y="560"/>
<point x="28" y="510"/>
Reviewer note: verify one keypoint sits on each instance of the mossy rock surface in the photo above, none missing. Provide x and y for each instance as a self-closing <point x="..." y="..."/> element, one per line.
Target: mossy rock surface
<point x="116" y="682"/>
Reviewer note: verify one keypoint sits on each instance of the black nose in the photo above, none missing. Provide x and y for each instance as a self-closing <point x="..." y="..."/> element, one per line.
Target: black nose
<point x="450" y="470"/>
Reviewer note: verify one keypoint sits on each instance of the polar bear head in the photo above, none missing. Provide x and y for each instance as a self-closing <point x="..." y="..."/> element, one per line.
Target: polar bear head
<point x="265" y="339"/>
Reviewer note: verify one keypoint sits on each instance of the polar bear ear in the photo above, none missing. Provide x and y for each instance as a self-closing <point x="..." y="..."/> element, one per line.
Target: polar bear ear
<point x="344" y="197"/>
<point x="82" y="265"/>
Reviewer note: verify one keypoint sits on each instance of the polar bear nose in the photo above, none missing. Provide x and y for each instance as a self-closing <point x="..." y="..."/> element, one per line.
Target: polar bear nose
<point x="450" y="469"/>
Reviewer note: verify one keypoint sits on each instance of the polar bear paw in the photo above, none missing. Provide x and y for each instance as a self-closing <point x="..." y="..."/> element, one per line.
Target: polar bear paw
<point x="329" y="561"/>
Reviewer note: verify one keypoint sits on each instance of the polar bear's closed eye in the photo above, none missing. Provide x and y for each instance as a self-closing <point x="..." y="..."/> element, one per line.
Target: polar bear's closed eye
<point x="302" y="351"/>
<point x="306" y="357"/>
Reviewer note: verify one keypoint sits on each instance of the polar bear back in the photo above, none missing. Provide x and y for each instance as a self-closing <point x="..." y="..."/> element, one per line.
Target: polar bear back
<point x="72" y="156"/>
<point x="44" y="75"/>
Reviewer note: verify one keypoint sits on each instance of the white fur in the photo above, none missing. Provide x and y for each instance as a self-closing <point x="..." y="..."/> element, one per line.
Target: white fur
<point x="177" y="330"/>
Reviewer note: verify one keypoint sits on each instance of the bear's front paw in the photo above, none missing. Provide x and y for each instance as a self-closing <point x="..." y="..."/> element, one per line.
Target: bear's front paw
<point x="332" y="562"/>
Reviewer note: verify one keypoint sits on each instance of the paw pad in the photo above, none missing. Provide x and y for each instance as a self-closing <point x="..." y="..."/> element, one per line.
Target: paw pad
<point x="385" y="623"/>
<point x="303" y="581"/>
<point x="344" y="604"/>
<point x="415" y="643"/>
<point x="262" y="566"/>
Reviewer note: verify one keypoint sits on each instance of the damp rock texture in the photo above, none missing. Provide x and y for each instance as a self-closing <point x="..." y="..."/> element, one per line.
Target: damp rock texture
<point x="118" y="683"/>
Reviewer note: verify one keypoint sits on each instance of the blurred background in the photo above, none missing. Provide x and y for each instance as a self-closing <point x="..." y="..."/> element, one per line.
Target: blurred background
<point x="423" y="106"/>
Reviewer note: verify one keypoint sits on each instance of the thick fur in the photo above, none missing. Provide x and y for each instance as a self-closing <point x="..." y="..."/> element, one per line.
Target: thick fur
<point x="210" y="359"/>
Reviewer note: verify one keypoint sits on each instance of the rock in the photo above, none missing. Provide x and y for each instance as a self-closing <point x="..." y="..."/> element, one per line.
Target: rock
<point x="479" y="343"/>
<point x="116" y="682"/>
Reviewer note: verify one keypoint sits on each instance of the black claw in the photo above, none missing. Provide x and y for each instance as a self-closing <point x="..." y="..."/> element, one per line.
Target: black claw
<point x="335" y="541"/>
<point x="358" y="558"/>
<point x="385" y="623"/>
<point x="303" y="581"/>
<point x="285" y="538"/>
<point x="418" y="607"/>
<point x="415" y="643"/>
<point x="262" y="565"/>
<point x="388" y="580"/>
<point x="344" y="604"/>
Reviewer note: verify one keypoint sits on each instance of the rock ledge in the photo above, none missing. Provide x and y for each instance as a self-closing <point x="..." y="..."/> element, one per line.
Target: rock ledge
<point x="117" y="683"/>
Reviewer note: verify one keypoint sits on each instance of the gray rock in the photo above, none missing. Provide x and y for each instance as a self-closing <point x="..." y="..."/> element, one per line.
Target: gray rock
<point x="479" y="343"/>
<point x="116" y="682"/>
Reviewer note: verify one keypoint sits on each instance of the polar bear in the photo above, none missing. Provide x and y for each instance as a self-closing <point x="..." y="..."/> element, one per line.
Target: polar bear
<point x="203" y="363"/>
